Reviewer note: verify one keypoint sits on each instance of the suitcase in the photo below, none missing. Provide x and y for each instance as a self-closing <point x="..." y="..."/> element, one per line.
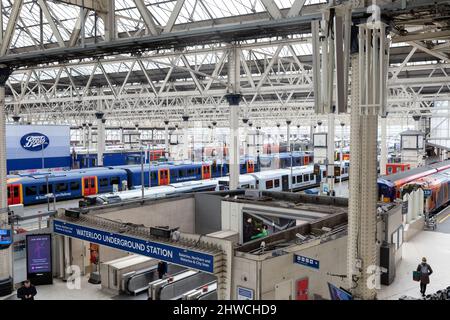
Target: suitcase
<point x="416" y="275"/>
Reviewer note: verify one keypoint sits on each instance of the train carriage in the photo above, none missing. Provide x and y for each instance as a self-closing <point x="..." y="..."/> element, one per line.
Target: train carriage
<point x="34" y="189"/>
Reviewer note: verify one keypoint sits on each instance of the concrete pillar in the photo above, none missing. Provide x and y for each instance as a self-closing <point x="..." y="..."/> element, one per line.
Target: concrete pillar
<point x="166" y="139"/>
<point x="185" y="137"/>
<point x="100" y="135"/>
<point x="330" y="152"/>
<point x="383" y="146"/>
<point x="234" y="98"/>
<point x="6" y="258"/>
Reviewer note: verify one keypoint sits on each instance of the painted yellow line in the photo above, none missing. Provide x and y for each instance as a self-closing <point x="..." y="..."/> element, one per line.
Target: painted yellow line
<point x="445" y="218"/>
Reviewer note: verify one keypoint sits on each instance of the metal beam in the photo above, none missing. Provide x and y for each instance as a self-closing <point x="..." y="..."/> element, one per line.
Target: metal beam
<point x="51" y="22"/>
<point x="272" y="9"/>
<point x="147" y="17"/>
<point x="173" y="16"/>
<point x="297" y="6"/>
<point x="11" y="27"/>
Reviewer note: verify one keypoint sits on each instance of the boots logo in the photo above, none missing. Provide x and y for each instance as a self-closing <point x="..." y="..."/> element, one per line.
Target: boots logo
<point x="34" y="141"/>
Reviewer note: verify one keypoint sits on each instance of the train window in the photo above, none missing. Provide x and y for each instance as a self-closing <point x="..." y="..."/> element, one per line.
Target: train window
<point x="74" y="185"/>
<point x="277" y="183"/>
<point x="30" y="191"/>
<point x="306" y="177"/>
<point x="293" y="179"/>
<point x="324" y="174"/>
<point x="197" y="171"/>
<point x="153" y="175"/>
<point x="243" y="166"/>
<point x="115" y="180"/>
<point x="104" y="182"/>
<point x="245" y="186"/>
<point x="311" y="176"/>
<point x="92" y="183"/>
<point x="61" y="187"/>
<point x="86" y="183"/>
<point x="9" y="193"/>
<point x="43" y="189"/>
<point x="181" y="173"/>
<point x="269" y="184"/>
<point x="299" y="179"/>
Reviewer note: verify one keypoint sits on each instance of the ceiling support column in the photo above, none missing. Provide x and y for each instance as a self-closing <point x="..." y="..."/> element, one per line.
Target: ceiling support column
<point x="6" y="255"/>
<point x="234" y="98"/>
<point x="369" y="61"/>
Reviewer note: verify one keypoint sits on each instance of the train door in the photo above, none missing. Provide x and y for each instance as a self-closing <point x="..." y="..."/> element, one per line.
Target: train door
<point x="163" y="177"/>
<point x="89" y="186"/>
<point x="250" y="166"/>
<point x="285" y="182"/>
<point x="206" y="172"/>
<point x="305" y="160"/>
<point x="301" y="290"/>
<point x="14" y="194"/>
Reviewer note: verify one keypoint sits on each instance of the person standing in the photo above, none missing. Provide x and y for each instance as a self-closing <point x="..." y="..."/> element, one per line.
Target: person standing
<point x="425" y="272"/>
<point x="27" y="291"/>
<point x="162" y="269"/>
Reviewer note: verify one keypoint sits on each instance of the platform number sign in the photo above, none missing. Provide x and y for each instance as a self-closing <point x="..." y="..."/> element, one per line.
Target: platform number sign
<point x="244" y="294"/>
<point x="306" y="261"/>
<point x="426" y="193"/>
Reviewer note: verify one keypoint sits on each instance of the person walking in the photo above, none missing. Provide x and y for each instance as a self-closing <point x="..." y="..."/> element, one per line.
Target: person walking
<point x="27" y="291"/>
<point x="425" y="272"/>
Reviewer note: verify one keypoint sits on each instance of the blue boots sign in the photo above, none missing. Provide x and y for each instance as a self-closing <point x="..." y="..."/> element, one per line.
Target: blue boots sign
<point x="34" y="141"/>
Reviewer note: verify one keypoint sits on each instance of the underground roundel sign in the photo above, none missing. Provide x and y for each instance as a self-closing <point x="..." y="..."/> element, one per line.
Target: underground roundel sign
<point x="34" y="141"/>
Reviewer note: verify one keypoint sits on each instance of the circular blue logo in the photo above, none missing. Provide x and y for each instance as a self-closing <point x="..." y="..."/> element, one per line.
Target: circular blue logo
<point x="34" y="141"/>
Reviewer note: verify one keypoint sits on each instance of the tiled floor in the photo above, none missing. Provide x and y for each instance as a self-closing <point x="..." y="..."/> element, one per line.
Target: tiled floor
<point x="435" y="246"/>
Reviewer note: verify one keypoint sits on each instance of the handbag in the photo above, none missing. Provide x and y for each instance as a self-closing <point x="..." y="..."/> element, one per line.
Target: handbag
<point x="416" y="275"/>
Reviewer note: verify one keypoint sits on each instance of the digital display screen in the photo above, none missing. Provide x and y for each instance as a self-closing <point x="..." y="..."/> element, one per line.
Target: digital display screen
<point x="339" y="293"/>
<point x="5" y="237"/>
<point x="39" y="255"/>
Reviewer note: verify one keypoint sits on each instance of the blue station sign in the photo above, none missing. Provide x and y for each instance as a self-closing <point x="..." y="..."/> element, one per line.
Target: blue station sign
<point x="427" y="193"/>
<point x="168" y="253"/>
<point x="305" y="261"/>
<point x="34" y="141"/>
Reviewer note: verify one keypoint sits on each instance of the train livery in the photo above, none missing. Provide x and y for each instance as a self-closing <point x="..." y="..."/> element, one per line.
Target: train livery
<point x="389" y="187"/>
<point x="437" y="188"/>
<point x="32" y="188"/>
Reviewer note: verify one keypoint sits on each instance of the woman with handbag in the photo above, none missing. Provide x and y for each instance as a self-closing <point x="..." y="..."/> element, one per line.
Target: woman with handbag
<point x="425" y="272"/>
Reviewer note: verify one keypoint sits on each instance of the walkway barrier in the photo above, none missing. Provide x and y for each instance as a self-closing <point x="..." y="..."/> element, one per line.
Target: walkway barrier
<point x="174" y="287"/>
<point x="206" y="292"/>
<point x="138" y="281"/>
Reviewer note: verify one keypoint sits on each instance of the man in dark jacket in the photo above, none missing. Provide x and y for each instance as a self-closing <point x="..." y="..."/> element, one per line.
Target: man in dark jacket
<point x="27" y="291"/>
<point x="162" y="269"/>
<point x="425" y="272"/>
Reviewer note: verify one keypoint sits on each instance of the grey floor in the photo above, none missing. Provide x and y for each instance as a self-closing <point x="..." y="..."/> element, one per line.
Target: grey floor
<point x="435" y="246"/>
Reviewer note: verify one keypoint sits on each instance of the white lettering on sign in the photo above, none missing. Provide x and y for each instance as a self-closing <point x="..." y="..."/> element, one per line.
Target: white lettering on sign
<point x="34" y="141"/>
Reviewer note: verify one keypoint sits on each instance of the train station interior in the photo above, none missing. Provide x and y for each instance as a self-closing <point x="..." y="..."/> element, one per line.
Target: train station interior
<point x="224" y="150"/>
